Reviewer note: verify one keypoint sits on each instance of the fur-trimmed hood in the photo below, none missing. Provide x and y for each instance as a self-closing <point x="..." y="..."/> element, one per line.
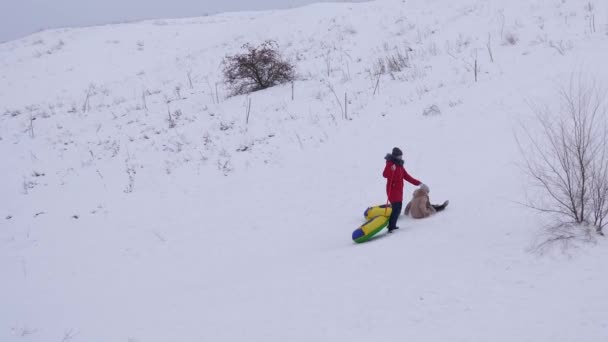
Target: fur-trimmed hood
<point x="391" y="158"/>
<point x="420" y="193"/>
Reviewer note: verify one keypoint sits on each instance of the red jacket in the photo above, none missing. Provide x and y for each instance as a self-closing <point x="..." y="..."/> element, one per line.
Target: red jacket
<point x="394" y="181"/>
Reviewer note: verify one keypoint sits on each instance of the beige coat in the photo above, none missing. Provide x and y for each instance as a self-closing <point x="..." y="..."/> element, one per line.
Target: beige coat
<point x="420" y="205"/>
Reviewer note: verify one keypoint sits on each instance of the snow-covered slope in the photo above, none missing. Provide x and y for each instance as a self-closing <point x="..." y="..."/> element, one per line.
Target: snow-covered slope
<point x="116" y="225"/>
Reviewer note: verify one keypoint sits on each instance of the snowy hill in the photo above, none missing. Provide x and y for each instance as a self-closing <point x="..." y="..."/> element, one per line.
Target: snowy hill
<point x="120" y="224"/>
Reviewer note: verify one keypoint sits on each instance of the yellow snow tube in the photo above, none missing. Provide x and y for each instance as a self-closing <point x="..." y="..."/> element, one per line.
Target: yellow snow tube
<point x="379" y="210"/>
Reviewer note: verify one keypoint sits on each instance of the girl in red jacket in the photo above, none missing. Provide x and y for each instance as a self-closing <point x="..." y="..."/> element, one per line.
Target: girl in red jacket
<point x="395" y="174"/>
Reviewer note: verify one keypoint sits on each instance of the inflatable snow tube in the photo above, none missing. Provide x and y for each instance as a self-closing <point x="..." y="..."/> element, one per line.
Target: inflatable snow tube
<point x="379" y="210"/>
<point x="370" y="228"/>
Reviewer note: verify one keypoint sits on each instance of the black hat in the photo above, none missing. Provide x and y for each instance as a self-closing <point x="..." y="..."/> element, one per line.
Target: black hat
<point x="396" y="152"/>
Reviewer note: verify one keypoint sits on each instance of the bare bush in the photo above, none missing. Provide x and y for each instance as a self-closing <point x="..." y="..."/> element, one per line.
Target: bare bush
<point x="54" y="48"/>
<point x="259" y="68"/>
<point x="343" y="109"/>
<point x="567" y="160"/>
<point x="86" y="106"/>
<point x="395" y="61"/>
<point x="431" y="111"/>
<point x="31" y="128"/>
<point x="12" y="113"/>
<point x="560" y="46"/>
<point x="590" y="8"/>
<point x="489" y="47"/>
<point x="562" y="236"/>
<point x="510" y="39"/>
<point x="130" y="170"/>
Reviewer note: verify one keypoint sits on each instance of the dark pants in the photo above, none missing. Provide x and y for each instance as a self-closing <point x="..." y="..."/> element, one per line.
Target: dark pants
<point x="438" y="207"/>
<point x="392" y="221"/>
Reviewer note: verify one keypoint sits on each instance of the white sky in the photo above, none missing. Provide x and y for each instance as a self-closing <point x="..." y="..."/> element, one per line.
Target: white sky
<point x="22" y="17"/>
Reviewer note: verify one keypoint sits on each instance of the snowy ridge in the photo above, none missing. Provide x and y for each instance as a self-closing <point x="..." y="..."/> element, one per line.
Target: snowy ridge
<point x="137" y="204"/>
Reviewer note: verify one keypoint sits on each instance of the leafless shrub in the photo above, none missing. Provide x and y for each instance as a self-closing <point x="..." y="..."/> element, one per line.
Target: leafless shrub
<point x="31" y="128"/>
<point x="343" y="109"/>
<point x="54" y="48"/>
<point x="562" y="236"/>
<point x="396" y="60"/>
<point x="432" y="49"/>
<point x="248" y="111"/>
<point x="379" y="67"/>
<point x="173" y="117"/>
<point x="590" y="9"/>
<point x="510" y="38"/>
<point x="28" y="185"/>
<point x="224" y="126"/>
<point x="560" y="46"/>
<point x="244" y="148"/>
<point x="501" y="22"/>
<point x="349" y="29"/>
<point x="412" y="74"/>
<point x="12" y="113"/>
<point x="454" y="103"/>
<point x="215" y="98"/>
<point x="207" y="140"/>
<point x="23" y="331"/>
<point x="462" y="43"/>
<point x="327" y="60"/>
<point x="489" y="47"/>
<point x="540" y="21"/>
<point x="130" y="170"/>
<point x="421" y="90"/>
<point x="258" y="68"/>
<point x="223" y="164"/>
<point x="143" y="100"/>
<point x="567" y="159"/>
<point x="431" y="111"/>
<point x="69" y="334"/>
<point x="189" y="76"/>
<point x="91" y="91"/>
<point x="475" y="65"/>
<point x="377" y="85"/>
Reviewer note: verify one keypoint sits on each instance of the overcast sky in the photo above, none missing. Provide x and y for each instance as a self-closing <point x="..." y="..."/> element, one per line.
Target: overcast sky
<point x="19" y="18"/>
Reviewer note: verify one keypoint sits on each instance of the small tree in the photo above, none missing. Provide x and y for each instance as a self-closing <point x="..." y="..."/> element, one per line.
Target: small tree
<point x="259" y="68"/>
<point x="568" y="160"/>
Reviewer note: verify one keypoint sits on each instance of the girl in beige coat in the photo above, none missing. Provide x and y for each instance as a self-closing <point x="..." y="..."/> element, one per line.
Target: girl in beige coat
<point x="420" y="206"/>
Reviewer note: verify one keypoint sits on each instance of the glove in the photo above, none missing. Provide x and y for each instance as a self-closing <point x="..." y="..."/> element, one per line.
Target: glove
<point x="393" y="167"/>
